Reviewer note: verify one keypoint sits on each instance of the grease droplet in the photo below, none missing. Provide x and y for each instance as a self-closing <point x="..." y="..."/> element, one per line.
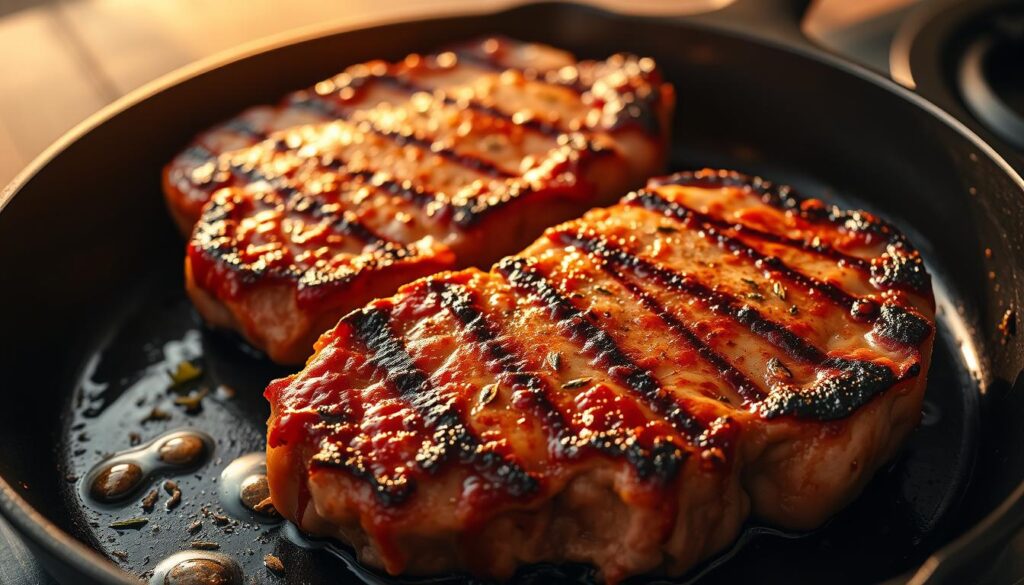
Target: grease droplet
<point x="199" y="572"/>
<point x="196" y="567"/>
<point x="116" y="482"/>
<point x="185" y="449"/>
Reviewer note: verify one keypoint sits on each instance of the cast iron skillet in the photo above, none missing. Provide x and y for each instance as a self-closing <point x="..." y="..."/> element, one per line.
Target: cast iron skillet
<point x="93" y="312"/>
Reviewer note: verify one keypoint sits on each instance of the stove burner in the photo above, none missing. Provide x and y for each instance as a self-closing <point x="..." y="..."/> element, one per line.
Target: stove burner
<point x="991" y="77"/>
<point x="966" y="57"/>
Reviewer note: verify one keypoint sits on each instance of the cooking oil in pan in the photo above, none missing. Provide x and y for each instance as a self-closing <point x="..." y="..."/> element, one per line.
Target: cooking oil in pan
<point x="122" y="475"/>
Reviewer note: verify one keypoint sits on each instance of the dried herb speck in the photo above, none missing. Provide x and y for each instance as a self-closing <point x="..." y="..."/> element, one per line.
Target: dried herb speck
<point x="577" y="383"/>
<point x="130" y="523"/>
<point x="205" y="545"/>
<point x="603" y="290"/>
<point x="754" y="286"/>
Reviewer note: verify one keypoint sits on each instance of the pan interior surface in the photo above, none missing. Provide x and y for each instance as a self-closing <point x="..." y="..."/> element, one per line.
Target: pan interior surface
<point x="103" y="330"/>
<point x="127" y="396"/>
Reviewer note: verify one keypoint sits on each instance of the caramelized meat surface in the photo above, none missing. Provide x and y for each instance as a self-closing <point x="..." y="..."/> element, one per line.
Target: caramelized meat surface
<point x="389" y="172"/>
<point x="625" y="392"/>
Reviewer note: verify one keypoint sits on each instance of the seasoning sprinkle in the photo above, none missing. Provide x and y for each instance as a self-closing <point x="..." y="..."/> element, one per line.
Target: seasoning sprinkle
<point x="577" y="383"/>
<point x="554" y="360"/>
<point x="752" y="284"/>
<point x="755" y="296"/>
<point x="666" y="229"/>
<point x="603" y="290"/>
<point x="130" y="523"/>
<point x="793" y="310"/>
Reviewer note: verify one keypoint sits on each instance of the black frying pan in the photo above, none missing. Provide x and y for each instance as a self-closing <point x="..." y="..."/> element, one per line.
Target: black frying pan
<point x="93" y="312"/>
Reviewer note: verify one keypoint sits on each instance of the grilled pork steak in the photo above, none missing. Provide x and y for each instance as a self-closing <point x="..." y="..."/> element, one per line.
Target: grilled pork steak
<point x="624" y="392"/>
<point x="432" y="163"/>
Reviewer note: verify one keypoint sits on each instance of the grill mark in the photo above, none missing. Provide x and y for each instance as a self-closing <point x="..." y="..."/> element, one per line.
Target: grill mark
<point x="473" y="162"/>
<point x="384" y="251"/>
<point x="391" y="492"/>
<point x="492" y="62"/>
<point x="852" y="384"/>
<point x="460" y="303"/>
<point x="347" y="223"/>
<point x="700" y="223"/>
<point x="407" y="189"/>
<point x="901" y="266"/>
<point x="451" y="436"/>
<point x="717" y="301"/>
<point x="891" y="321"/>
<point x="820" y="249"/>
<point x="663" y="460"/>
<point x="524" y="277"/>
<point x="739" y="382"/>
<point x="469" y="161"/>
<point x="552" y="130"/>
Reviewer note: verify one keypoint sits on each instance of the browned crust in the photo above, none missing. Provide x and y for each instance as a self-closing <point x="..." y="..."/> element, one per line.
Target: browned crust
<point x="268" y="316"/>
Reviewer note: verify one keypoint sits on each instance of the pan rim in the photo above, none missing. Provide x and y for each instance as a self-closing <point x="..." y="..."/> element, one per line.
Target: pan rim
<point x="43" y="534"/>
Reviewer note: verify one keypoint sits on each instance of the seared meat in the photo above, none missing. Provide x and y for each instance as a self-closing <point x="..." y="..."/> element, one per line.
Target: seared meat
<point x="625" y="392"/>
<point x="432" y="163"/>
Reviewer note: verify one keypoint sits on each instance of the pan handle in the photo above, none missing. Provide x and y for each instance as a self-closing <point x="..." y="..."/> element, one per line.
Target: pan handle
<point x="776" y="21"/>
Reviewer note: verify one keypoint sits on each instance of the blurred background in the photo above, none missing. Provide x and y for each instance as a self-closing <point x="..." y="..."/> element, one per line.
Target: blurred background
<point x="63" y="60"/>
